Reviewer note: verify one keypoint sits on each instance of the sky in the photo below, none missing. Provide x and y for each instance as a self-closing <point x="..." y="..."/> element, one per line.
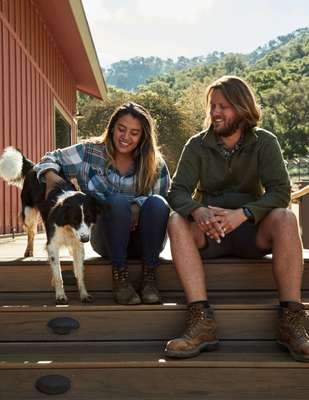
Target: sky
<point x="122" y="29"/>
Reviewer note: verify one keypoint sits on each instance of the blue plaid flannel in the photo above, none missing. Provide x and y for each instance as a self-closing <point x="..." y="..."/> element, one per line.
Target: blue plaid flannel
<point x="87" y="161"/>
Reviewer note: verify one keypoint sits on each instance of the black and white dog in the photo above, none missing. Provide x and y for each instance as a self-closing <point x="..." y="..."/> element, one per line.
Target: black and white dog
<point x="67" y="215"/>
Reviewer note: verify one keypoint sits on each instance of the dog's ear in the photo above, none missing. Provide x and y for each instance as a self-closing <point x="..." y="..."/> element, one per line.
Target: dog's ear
<point x="61" y="214"/>
<point x="66" y="211"/>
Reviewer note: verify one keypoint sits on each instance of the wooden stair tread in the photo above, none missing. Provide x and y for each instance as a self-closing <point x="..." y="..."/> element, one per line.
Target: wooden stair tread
<point x="28" y="320"/>
<point x="42" y="301"/>
<point x="97" y="260"/>
<point x="241" y="354"/>
<point x="12" y="260"/>
<point x="249" y="275"/>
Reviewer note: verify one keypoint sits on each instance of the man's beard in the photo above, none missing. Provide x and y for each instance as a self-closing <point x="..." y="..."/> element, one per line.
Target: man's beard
<point x="229" y="129"/>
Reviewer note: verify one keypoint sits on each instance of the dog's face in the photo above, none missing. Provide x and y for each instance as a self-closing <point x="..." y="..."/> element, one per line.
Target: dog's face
<point x="79" y="212"/>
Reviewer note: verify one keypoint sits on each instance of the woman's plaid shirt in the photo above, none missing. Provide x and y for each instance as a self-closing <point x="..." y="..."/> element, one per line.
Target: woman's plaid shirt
<point x="87" y="163"/>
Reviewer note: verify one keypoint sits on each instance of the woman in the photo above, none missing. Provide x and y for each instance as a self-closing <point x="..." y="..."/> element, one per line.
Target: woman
<point x="126" y="169"/>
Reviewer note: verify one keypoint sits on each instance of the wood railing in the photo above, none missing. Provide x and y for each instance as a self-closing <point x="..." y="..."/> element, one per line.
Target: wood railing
<point x="296" y="196"/>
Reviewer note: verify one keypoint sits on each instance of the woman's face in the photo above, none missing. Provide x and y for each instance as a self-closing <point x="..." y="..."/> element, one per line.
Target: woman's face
<point x="127" y="134"/>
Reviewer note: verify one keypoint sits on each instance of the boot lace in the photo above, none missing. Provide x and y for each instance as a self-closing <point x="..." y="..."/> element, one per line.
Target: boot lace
<point x="149" y="274"/>
<point x="195" y="316"/>
<point x="120" y="274"/>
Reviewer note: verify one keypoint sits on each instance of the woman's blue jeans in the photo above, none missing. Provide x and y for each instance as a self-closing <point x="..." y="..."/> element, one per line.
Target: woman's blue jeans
<point x="112" y="237"/>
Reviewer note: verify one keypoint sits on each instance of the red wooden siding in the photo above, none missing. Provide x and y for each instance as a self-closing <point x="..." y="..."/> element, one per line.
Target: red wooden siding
<point x="32" y="74"/>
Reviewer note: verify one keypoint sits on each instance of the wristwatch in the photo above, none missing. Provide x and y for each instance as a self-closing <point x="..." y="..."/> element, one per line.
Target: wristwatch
<point x="248" y="213"/>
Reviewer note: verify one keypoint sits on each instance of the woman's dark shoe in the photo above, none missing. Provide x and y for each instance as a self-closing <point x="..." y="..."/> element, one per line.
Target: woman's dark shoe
<point x="124" y="292"/>
<point x="149" y="291"/>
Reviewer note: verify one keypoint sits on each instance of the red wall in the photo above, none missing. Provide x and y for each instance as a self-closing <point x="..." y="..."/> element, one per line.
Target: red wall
<point x="32" y="74"/>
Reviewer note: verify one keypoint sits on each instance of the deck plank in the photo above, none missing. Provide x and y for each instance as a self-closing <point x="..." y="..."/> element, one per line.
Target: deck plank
<point x="238" y="371"/>
<point x="148" y="354"/>
<point x="113" y="322"/>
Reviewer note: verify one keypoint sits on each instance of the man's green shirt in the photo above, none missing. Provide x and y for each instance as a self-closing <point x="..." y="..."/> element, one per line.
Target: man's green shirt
<point x="254" y="177"/>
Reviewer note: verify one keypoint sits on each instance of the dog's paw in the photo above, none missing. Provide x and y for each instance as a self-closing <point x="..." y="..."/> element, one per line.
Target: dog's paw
<point x="28" y="253"/>
<point x="87" y="299"/>
<point x="61" y="300"/>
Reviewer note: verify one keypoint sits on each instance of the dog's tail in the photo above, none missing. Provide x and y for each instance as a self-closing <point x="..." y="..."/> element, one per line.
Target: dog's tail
<point x="14" y="166"/>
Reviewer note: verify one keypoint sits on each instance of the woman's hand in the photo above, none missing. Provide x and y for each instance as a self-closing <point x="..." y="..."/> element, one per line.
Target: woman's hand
<point x="51" y="180"/>
<point x="134" y="216"/>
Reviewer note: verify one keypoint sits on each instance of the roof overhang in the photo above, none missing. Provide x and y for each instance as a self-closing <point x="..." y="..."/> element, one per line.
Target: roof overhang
<point x="68" y="25"/>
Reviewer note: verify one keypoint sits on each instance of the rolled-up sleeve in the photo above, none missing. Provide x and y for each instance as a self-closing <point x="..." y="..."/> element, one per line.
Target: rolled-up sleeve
<point x="67" y="161"/>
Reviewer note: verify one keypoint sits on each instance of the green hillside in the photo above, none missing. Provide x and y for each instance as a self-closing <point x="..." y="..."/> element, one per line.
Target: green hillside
<point x="278" y="72"/>
<point x="129" y="74"/>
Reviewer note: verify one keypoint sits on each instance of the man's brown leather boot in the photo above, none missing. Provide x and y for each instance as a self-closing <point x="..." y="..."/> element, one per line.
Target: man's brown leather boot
<point x="124" y="292"/>
<point x="292" y="333"/>
<point x="149" y="292"/>
<point x="200" y="334"/>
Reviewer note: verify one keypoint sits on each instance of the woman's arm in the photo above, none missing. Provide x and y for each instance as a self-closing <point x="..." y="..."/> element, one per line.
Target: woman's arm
<point x="66" y="161"/>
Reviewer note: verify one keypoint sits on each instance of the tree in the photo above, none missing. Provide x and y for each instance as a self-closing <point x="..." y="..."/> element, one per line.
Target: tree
<point x="174" y="92"/>
<point x="97" y="113"/>
<point x="171" y="123"/>
<point x="286" y="113"/>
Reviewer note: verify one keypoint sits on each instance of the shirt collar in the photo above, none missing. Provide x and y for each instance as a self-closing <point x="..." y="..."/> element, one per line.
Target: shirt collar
<point x="209" y="138"/>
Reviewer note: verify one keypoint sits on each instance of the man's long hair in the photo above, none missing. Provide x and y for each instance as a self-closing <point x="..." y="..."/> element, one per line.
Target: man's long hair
<point x="147" y="155"/>
<point x="239" y="94"/>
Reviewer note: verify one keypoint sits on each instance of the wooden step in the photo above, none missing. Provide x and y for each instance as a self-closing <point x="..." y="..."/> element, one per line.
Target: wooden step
<point x="266" y="354"/>
<point x="223" y="274"/>
<point x="33" y="274"/>
<point x="240" y="317"/>
<point x="238" y="370"/>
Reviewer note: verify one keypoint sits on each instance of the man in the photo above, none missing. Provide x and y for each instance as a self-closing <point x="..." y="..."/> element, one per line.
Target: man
<point x="241" y="190"/>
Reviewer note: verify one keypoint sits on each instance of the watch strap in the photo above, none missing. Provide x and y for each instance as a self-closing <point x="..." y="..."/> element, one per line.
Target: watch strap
<point x="248" y="213"/>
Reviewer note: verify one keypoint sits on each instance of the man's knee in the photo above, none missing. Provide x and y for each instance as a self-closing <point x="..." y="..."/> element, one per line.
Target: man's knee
<point x="179" y="227"/>
<point x="176" y="222"/>
<point x="282" y="218"/>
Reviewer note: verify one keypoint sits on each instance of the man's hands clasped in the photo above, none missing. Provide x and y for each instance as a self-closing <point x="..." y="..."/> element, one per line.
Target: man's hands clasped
<point x="217" y="222"/>
<point x="208" y="223"/>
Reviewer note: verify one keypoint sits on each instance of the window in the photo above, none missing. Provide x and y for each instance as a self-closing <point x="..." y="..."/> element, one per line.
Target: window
<point x="63" y="137"/>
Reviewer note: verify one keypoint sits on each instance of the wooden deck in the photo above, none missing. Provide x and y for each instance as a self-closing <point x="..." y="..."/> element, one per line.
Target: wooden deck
<point x="13" y="249"/>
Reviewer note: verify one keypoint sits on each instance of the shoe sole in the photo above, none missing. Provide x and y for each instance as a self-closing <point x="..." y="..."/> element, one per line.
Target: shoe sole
<point x="296" y="357"/>
<point x="153" y="301"/>
<point x="133" y="302"/>
<point x="209" y="346"/>
<point x="156" y="299"/>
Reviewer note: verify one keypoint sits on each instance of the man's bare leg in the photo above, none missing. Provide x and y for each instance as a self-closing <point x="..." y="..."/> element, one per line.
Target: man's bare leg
<point x="185" y="239"/>
<point x="279" y="231"/>
<point x="201" y="328"/>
